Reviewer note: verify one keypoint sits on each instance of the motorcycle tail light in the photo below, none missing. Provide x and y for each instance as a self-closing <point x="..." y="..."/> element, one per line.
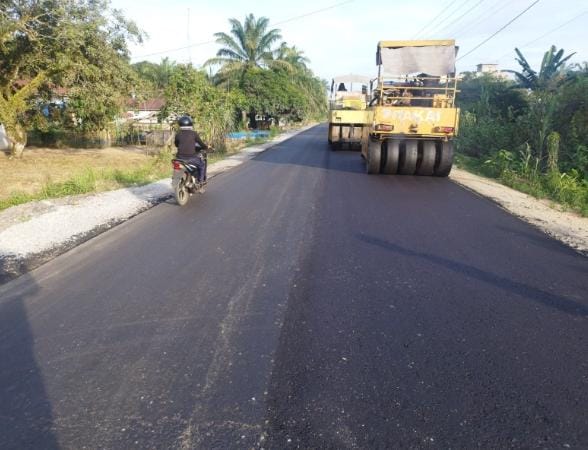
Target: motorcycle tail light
<point x="177" y="165"/>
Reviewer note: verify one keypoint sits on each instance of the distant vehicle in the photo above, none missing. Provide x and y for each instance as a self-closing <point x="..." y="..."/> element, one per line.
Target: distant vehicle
<point x="411" y="119"/>
<point x="347" y="109"/>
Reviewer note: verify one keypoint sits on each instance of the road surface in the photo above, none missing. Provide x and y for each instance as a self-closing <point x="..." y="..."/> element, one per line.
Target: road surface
<point x="301" y="303"/>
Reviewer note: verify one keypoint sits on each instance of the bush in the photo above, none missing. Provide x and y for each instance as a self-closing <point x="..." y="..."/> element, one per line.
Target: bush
<point x="537" y="142"/>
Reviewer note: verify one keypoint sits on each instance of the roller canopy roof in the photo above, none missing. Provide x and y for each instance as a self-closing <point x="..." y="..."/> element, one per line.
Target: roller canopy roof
<point x="435" y="58"/>
<point x="351" y="78"/>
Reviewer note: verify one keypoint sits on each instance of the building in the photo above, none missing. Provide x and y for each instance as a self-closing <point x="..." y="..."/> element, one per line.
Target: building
<point x="492" y="69"/>
<point x="145" y="113"/>
<point x="487" y="68"/>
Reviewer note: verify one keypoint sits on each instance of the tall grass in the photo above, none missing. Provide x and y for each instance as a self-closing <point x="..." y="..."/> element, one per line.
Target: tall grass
<point x="524" y="174"/>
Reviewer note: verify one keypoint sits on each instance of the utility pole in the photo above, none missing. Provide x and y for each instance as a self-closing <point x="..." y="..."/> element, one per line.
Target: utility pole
<point x="188" y="36"/>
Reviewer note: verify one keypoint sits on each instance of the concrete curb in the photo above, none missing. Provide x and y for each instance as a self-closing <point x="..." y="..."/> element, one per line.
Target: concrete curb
<point x="34" y="233"/>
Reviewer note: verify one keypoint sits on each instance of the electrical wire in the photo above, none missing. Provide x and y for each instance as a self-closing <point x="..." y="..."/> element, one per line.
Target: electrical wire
<point x="498" y="7"/>
<point x="451" y="12"/>
<point x="312" y="13"/>
<point x="499" y="30"/>
<point x="291" y="19"/>
<point x="444" y="9"/>
<point x="548" y="33"/>
<point x="458" y="18"/>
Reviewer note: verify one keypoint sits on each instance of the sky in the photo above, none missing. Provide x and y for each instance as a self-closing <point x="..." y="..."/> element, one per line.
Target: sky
<point x="340" y="36"/>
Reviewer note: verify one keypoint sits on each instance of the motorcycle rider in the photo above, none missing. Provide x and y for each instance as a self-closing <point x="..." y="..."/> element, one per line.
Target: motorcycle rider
<point x="190" y="148"/>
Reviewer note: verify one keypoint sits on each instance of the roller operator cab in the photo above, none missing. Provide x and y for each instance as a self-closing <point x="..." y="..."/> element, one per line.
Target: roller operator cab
<point x="411" y="114"/>
<point x="348" y="115"/>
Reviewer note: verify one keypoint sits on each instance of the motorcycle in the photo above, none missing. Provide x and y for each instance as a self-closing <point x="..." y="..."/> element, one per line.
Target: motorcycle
<point x="185" y="179"/>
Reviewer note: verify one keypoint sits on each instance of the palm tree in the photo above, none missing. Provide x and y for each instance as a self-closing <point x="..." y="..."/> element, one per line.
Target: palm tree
<point x="158" y="74"/>
<point x="248" y="45"/>
<point x="293" y="56"/>
<point x="549" y="73"/>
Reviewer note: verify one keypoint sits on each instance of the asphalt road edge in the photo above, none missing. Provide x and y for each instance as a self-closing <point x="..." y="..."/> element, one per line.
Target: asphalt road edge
<point x="564" y="226"/>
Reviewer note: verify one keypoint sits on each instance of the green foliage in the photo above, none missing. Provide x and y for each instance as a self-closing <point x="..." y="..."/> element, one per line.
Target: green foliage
<point x="91" y="180"/>
<point x="274" y="82"/>
<point x="537" y="141"/>
<point x="158" y="75"/>
<point x="489" y="95"/>
<point x="189" y="91"/>
<point x="76" y="45"/>
<point x="570" y="119"/>
<point x="271" y="92"/>
<point x="247" y="45"/>
<point x="550" y="73"/>
<point x="281" y="94"/>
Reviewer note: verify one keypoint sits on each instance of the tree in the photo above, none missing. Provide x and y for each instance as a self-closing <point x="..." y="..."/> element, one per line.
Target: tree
<point x="293" y="56"/>
<point x="550" y="72"/>
<point x="189" y="91"/>
<point x="247" y="46"/>
<point x="274" y="82"/>
<point x="157" y="74"/>
<point x="79" y="45"/>
<point x="280" y="94"/>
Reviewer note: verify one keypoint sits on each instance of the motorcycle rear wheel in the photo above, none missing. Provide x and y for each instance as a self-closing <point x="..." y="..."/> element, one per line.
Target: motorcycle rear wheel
<point x="181" y="192"/>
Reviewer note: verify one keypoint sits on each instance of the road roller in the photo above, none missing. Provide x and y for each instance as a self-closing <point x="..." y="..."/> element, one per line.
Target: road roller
<point x="411" y="114"/>
<point x="347" y="110"/>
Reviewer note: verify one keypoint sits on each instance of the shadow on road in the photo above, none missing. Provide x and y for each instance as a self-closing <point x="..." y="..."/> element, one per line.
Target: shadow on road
<point x="26" y="419"/>
<point x="554" y="301"/>
<point x="312" y="151"/>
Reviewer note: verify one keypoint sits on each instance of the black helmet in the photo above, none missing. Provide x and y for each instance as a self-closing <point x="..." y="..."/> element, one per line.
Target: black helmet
<point x="185" y="121"/>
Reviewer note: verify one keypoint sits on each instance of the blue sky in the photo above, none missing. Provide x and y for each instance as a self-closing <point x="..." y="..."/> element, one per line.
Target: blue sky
<point x="343" y="39"/>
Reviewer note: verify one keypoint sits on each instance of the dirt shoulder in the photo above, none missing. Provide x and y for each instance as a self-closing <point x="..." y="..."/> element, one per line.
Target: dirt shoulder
<point x="551" y="218"/>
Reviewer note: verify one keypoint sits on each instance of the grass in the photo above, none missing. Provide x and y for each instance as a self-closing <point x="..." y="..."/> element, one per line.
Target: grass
<point x="49" y="173"/>
<point x="88" y="178"/>
<point x="566" y="189"/>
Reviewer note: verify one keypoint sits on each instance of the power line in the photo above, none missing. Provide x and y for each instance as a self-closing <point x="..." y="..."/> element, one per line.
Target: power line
<point x="482" y="17"/>
<point x="459" y="18"/>
<point x="174" y="49"/>
<point x="291" y="19"/>
<point x="445" y="19"/>
<point x="443" y="11"/>
<point x="312" y="13"/>
<point x="555" y="29"/>
<point x="549" y="32"/>
<point x="505" y="26"/>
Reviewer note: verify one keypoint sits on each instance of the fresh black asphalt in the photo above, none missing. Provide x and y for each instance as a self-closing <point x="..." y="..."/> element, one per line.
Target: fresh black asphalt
<point x="301" y="303"/>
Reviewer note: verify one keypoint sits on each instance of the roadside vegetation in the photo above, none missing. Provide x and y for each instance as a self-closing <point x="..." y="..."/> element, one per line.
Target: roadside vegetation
<point x="47" y="173"/>
<point x="531" y="133"/>
<point x="66" y="81"/>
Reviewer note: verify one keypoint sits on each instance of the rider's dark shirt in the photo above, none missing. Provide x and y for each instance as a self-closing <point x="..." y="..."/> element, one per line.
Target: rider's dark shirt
<point x="188" y="143"/>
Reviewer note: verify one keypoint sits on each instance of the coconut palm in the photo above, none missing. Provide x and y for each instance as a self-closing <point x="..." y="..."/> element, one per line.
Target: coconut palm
<point x="292" y="55"/>
<point x="248" y="45"/>
<point x="158" y="74"/>
<point x="549" y="74"/>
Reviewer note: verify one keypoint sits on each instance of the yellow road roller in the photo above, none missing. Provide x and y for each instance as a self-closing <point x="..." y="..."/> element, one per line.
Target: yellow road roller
<point x="411" y="114"/>
<point x="347" y="110"/>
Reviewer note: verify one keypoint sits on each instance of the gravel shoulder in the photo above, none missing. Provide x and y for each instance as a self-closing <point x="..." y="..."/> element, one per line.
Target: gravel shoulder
<point x="565" y="226"/>
<point x="33" y="233"/>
